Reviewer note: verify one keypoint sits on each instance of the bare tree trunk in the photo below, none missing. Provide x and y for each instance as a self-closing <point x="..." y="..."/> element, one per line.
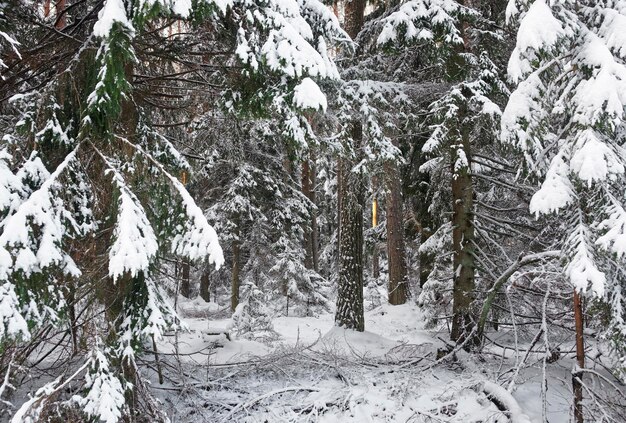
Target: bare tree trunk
<point x="61" y="14"/>
<point x="349" y="312"/>
<point x="234" y="296"/>
<point x="204" y="285"/>
<point x="577" y="374"/>
<point x="310" y="230"/>
<point x="185" y="282"/>
<point x="350" y="289"/>
<point x="396" y="253"/>
<point x="314" y="230"/>
<point x="375" y="251"/>
<point x="463" y="320"/>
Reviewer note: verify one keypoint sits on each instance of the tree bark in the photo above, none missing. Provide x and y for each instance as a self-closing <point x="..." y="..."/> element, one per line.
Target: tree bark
<point x="350" y="290"/>
<point x="314" y="230"/>
<point x="234" y="296"/>
<point x="375" y="250"/>
<point x="185" y="282"/>
<point x="205" y="293"/>
<point x="396" y="253"/>
<point x="310" y="230"/>
<point x="349" y="312"/>
<point x="463" y="321"/>
<point x="577" y="374"/>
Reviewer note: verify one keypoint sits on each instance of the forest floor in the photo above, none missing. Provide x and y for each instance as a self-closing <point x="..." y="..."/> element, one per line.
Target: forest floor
<point x="307" y="370"/>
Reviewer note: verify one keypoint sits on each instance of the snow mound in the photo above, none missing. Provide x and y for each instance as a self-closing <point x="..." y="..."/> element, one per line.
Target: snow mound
<point x="349" y="341"/>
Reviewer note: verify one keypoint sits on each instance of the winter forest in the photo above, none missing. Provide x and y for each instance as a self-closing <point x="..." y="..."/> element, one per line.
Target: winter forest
<point x="313" y="211"/>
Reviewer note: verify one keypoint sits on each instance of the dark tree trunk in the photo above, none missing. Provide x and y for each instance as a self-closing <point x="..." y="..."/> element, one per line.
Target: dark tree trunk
<point x="375" y="249"/>
<point x="462" y="245"/>
<point x="185" y="282"/>
<point x="314" y="229"/>
<point x="350" y="289"/>
<point x="234" y="296"/>
<point x="398" y="284"/>
<point x="310" y="230"/>
<point x="349" y="312"/>
<point x="205" y="293"/>
<point x="577" y="374"/>
<point x="354" y="15"/>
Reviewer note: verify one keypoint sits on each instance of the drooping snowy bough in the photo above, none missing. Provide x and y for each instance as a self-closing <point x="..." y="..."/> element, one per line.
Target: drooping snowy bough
<point x="90" y="198"/>
<point x="567" y="117"/>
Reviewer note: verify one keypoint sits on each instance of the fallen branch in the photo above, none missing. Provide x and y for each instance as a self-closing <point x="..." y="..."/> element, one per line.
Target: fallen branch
<point x="505" y="402"/>
<point x="520" y="262"/>
<point x="265" y="396"/>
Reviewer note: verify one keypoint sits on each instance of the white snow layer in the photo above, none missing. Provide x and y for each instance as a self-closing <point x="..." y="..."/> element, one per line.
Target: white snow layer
<point x="307" y="95"/>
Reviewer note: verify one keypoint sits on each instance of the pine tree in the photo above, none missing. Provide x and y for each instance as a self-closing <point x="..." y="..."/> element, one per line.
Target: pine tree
<point x="566" y="116"/>
<point x="90" y="191"/>
<point x="450" y="32"/>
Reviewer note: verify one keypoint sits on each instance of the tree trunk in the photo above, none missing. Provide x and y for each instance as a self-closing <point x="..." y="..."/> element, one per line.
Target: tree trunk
<point x="398" y="284"/>
<point x="426" y="259"/>
<point x="310" y="230"/>
<point x="462" y="243"/>
<point x="350" y="289"/>
<point x="354" y="15"/>
<point x="314" y="230"/>
<point x="185" y="282"/>
<point x="234" y="296"/>
<point x="205" y="293"/>
<point x="577" y="374"/>
<point x="375" y="250"/>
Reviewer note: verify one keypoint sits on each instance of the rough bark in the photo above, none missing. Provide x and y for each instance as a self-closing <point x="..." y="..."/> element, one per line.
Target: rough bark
<point x="205" y="293"/>
<point x="185" y="281"/>
<point x="577" y="374"/>
<point x="354" y="15"/>
<point x="314" y="229"/>
<point x="310" y="230"/>
<point x="350" y="289"/>
<point x="351" y="200"/>
<point x="396" y="253"/>
<point x="234" y="296"/>
<point x="375" y="250"/>
<point x="463" y="321"/>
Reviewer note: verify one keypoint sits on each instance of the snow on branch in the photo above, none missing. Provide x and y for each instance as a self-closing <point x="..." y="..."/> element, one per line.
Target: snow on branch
<point x="505" y="402"/>
<point x="197" y="238"/>
<point x="135" y="243"/>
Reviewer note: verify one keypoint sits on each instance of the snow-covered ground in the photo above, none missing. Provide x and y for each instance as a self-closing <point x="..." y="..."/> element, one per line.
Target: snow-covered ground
<point x="311" y="371"/>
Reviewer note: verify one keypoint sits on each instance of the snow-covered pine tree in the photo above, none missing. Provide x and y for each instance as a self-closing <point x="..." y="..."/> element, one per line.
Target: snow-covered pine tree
<point x="255" y="199"/>
<point x="456" y="39"/>
<point x="90" y="189"/>
<point x="567" y="117"/>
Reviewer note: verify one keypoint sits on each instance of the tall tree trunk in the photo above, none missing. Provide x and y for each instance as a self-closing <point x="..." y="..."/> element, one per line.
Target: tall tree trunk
<point x="310" y="230"/>
<point x="314" y="229"/>
<point x="205" y="284"/>
<point x="396" y="253"/>
<point x="349" y="312"/>
<point x="234" y="296"/>
<point x="185" y="282"/>
<point x="350" y="288"/>
<point x="462" y="244"/>
<point x="577" y="374"/>
<point x="375" y="250"/>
